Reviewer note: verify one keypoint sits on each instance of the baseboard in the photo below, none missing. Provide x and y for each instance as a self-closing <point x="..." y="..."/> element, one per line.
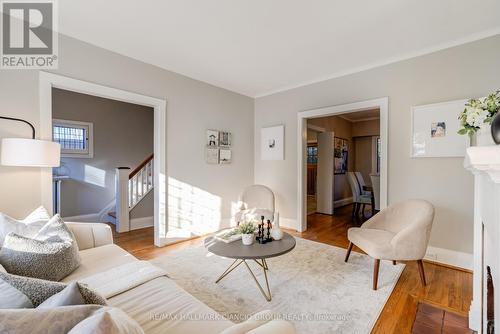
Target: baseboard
<point x="450" y="257"/>
<point x="142" y="222"/>
<point x="89" y="218"/>
<point x="342" y="202"/>
<point x="288" y="223"/>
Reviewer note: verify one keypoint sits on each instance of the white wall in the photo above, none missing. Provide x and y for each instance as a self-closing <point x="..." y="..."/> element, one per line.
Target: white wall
<point x="470" y="70"/>
<point x="193" y="107"/>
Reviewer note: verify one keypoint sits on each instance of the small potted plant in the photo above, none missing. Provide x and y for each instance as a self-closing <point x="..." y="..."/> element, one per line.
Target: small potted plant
<point x="247" y="233"/>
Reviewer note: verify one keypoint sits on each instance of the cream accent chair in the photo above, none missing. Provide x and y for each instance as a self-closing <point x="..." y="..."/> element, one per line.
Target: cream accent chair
<point x="256" y="201"/>
<point x="398" y="233"/>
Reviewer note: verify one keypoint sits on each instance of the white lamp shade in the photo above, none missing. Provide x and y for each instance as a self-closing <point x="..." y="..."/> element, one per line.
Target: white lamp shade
<point x="30" y="153"/>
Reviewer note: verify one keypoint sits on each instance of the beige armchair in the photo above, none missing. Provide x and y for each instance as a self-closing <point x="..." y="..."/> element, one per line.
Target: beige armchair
<point x="398" y="233"/>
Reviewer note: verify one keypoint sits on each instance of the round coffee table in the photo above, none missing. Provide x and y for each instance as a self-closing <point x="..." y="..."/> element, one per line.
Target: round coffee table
<point x="255" y="252"/>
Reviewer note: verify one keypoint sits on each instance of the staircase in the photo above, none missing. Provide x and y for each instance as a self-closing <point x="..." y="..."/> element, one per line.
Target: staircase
<point x="131" y="189"/>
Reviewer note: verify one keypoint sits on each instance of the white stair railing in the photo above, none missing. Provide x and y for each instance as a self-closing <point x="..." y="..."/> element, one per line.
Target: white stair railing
<point x="131" y="188"/>
<point x="140" y="182"/>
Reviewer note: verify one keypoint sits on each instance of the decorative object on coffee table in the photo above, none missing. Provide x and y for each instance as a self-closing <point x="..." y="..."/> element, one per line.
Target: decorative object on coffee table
<point x="256" y="252"/>
<point x="276" y="232"/>
<point x="247" y="231"/>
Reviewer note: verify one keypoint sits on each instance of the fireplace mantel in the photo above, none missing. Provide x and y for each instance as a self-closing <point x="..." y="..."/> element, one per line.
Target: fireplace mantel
<point x="484" y="163"/>
<point x="484" y="159"/>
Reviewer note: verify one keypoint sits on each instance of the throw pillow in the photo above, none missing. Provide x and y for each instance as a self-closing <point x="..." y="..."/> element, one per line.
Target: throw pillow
<point x="56" y="320"/>
<point x="10" y="297"/>
<point x="70" y="295"/>
<point x="38" y="290"/>
<point x="27" y="227"/>
<point x="108" y="320"/>
<point x="52" y="254"/>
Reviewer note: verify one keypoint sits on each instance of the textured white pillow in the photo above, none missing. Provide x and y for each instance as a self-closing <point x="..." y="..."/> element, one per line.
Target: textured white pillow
<point x="39" y="216"/>
<point x="70" y="295"/>
<point x="10" y="297"/>
<point x="28" y="227"/>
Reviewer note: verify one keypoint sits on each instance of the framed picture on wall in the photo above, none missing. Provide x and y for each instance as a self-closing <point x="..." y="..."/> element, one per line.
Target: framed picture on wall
<point x="225" y="139"/>
<point x="212" y="138"/>
<point x="434" y="130"/>
<point x="272" y="143"/>
<point x="341" y="155"/>
<point x="212" y="155"/>
<point x="224" y="156"/>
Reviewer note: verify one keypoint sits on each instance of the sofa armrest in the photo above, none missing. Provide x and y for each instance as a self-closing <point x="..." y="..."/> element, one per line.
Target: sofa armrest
<point x="261" y="323"/>
<point x="90" y="235"/>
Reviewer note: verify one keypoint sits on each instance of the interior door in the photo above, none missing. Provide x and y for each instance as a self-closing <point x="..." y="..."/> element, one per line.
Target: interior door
<point x="325" y="174"/>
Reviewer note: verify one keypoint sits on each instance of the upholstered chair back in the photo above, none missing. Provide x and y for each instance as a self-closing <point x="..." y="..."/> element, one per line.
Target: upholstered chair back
<point x="411" y="222"/>
<point x="257" y="196"/>
<point x="376" y="190"/>
<point x="353" y="183"/>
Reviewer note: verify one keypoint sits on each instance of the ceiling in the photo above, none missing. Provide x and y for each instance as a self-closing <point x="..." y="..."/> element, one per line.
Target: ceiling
<point x="257" y="47"/>
<point x="359" y="116"/>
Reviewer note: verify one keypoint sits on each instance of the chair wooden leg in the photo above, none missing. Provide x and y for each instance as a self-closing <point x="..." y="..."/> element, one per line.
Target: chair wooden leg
<point x="354" y="205"/>
<point x="422" y="272"/>
<point x="393" y="262"/>
<point x="348" y="252"/>
<point x="363" y="211"/>
<point x="356" y="214"/>
<point x="375" y="274"/>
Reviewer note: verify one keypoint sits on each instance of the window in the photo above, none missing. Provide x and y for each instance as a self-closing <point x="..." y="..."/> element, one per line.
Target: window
<point x="312" y="155"/>
<point x="75" y="138"/>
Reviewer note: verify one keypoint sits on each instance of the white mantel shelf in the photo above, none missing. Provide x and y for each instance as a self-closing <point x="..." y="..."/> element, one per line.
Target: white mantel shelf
<point x="484" y="159"/>
<point x="484" y="163"/>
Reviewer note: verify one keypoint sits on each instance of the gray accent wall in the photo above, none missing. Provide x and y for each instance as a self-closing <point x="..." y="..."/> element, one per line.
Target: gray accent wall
<point x="192" y="108"/>
<point x="123" y="137"/>
<point x="469" y="70"/>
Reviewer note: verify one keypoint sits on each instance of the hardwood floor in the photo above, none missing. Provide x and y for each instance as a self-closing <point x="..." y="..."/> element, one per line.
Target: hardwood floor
<point x="447" y="287"/>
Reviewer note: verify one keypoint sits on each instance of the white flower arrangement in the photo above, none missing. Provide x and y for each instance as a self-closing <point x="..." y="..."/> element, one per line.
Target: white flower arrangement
<point x="478" y="112"/>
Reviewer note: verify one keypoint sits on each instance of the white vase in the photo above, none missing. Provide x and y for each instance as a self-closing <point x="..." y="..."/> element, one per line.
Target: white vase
<point x="247" y="239"/>
<point x="276" y="232"/>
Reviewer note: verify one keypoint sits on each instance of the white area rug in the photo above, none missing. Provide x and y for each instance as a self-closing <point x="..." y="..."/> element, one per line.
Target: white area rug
<point x="311" y="286"/>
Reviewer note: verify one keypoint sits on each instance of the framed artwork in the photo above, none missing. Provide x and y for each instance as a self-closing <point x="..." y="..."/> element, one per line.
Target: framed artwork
<point x="341" y="155"/>
<point x="212" y="155"/>
<point x="434" y="130"/>
<point x="212" y="138"/>
<point x="224" y="139"/>
<point x="272" y="143"/>
<point x="224" y="156"/>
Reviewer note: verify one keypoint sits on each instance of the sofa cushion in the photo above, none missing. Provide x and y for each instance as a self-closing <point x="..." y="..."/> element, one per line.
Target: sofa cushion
<point x="27" y="227"/>
<point x="95" y="260"/>
<point x="10" y="297"/>
<point x="161" y="306"/>
<point x="51" y="254"/>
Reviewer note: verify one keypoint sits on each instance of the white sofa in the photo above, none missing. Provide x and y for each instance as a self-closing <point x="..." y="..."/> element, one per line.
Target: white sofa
<point x="160" y="305"/>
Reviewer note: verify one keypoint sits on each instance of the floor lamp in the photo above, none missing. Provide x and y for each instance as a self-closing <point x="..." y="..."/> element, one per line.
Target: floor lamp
<point x="26" y="152"/>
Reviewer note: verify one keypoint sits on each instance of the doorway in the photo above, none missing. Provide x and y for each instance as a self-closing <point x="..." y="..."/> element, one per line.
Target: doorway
<point x="48" y="81"/>
<point x="335" y="142"/>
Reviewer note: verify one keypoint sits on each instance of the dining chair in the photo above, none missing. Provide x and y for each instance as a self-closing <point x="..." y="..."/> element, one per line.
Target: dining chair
<point x="375" y="178"/>
<point x="361" y="182"/>
<point x="399" y="232"/>
<point x="359" y="199"/>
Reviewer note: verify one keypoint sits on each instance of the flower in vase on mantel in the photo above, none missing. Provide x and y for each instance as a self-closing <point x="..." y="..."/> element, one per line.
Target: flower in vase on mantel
<point x="478" y="112"/>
